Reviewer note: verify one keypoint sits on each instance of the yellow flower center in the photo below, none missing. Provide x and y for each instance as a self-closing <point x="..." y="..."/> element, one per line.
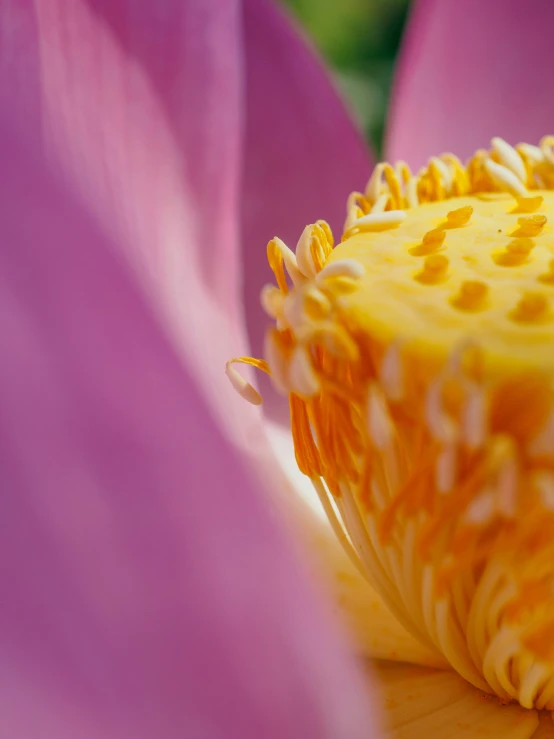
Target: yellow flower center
<point x="418" y="357"/>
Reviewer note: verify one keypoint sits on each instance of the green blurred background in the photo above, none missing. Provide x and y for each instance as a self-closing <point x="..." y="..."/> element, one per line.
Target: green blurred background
<point x="359" y="39"/>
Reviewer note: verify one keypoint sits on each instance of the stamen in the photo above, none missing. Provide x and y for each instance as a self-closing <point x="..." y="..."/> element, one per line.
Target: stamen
<point x="440" y="425"/>
<point x="379" y="422"/>
<point x="373" y="187"/>
<point x="544" y="482"/>
<point x="381" y="203"/>
<point x="531" y="152"/>
<point x="481" y="510"/>
<point x="391" y="374"/>
<point x="244" y="388"/>
<point x="341" y="268"/>
<point x="277" y="361"/>
<point x="419" y="370"/>
<point x="303" y="379"/>
<point x="546" y="146"/>
<point x="271" y="300"/>
<point x="509" y="157"/>
<point x="380" y="221"/>
<point x="505" y="178"/>
<point x="313" y="248"/>
<point x="445" y="174"/>
<point x="278" y="253"/>
<point x="317" y="305"/>
<point x="474" y="420"/>
<point x="353" y="209"/>
<point x="446" y="469"/>
<point x="293" y="311"/>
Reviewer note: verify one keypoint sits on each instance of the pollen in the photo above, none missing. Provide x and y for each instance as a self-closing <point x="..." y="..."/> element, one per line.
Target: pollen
<point x="418" y="358"/>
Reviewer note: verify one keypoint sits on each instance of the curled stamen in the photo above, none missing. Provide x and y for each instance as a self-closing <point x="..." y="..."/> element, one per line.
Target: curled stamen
<point x="505" y="178"/>
<point x="244" y="388"/>
<point x="341" y="268"/>
<point x="381" y="203"/>
<point x="533" y="153"/>
<point x="509" y="157"/>
<point x="278" y="254"/>
<point x="313" y="248"/>
<point x="374" y="185"/>
<point x="379" y="221"/>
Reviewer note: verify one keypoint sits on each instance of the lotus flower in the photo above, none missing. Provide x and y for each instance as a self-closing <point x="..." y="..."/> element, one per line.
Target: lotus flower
<point x="148" y="587"/>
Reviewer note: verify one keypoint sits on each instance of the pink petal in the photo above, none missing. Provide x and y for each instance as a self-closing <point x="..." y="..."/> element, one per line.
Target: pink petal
<point x="303" y="155"/>
<point x="139" y="103"/>
<point x="145" y="589"/>
<point x="471" y="70"/>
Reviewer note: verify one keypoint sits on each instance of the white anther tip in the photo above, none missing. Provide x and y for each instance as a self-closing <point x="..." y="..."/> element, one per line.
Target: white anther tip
<point x="379" y="421"/>
<point x="243" y="388"/>
<point x="301" y="373"/>
<point x="380" y="221"/>
<point x="391" y="373"/>
<point x="342" y="268"/>
<point x="509" y="157"/>
<point x="289" y="260"/>
<point x="304" y="255"/>
<point x="505" y="178"/>
<point x="481" y="509"/>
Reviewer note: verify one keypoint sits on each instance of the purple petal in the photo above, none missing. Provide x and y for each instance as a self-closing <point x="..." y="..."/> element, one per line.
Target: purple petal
<point x="303" y="154"/>
<point x="145" y="589"/>
<point x="471" y="70"/>
<point x="140" y="104"/>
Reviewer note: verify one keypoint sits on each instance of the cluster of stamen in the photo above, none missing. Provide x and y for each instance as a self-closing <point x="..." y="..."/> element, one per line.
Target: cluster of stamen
<point x="433" y="456"/>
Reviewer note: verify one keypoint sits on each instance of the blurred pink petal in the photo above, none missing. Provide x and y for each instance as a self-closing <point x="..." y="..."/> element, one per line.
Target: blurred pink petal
<point x="143" y="106"/>
<point x="471" y="70"/>
<point x="303" y="155"/>
<point x="139" y="104"/>
<point x="145" y="590"/>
